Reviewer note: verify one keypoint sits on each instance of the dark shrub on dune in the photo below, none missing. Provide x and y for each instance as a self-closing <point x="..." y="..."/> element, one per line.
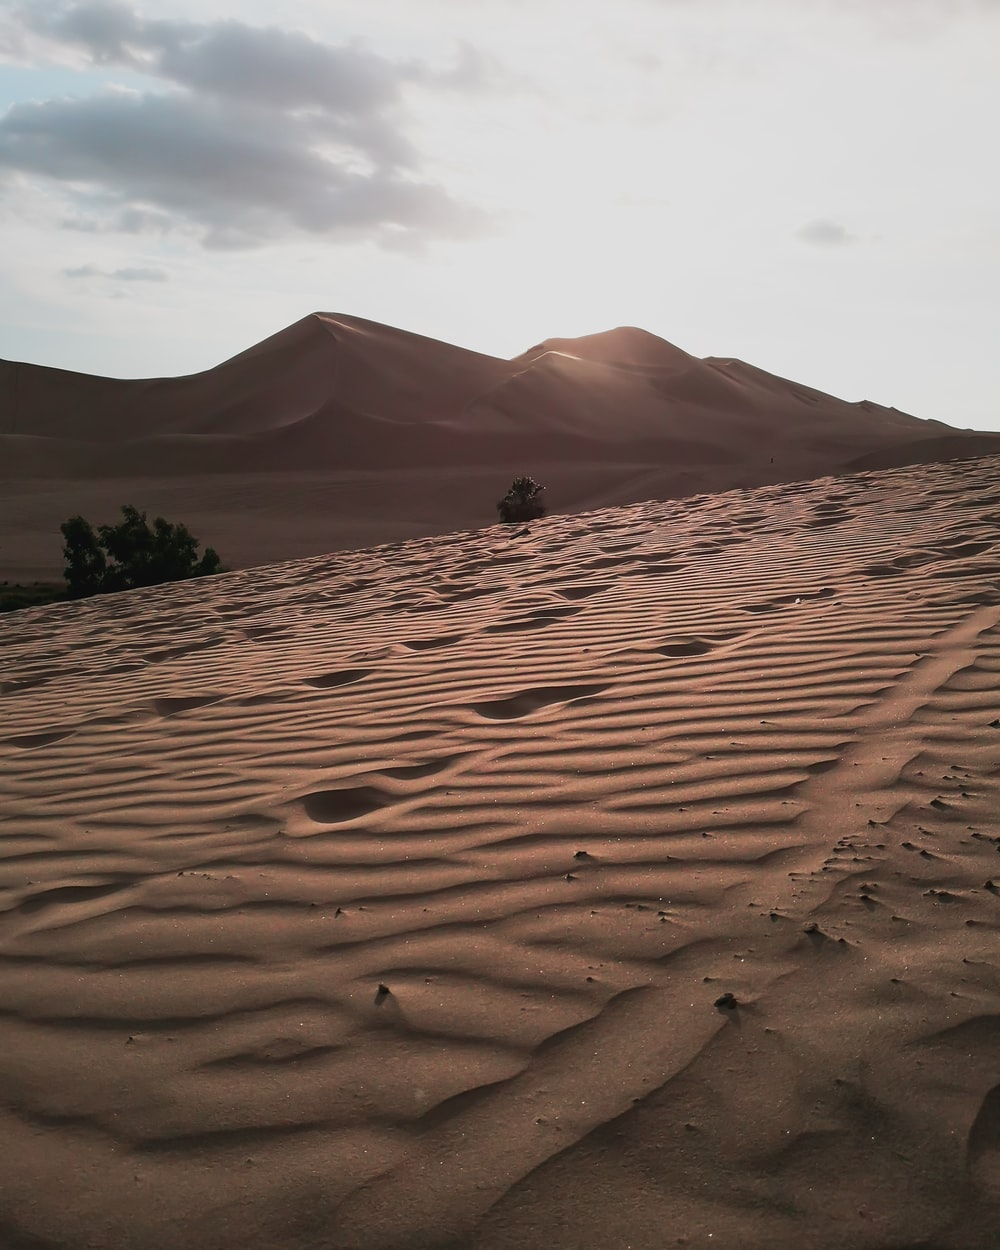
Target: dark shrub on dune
<point x="523" y="502"/>
<point x="130" y="554"/>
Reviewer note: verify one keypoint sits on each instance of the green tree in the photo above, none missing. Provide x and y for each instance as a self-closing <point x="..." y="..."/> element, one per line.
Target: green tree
<point x="86" y="566"/>
<point x="523" y="501"/>
<point x="130" y="554"/>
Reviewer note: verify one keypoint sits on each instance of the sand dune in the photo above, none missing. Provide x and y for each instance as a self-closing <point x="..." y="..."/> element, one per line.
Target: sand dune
<point x="631" y="879"/>
<point x="413" y="437"/>
<point x="615" y="388"/>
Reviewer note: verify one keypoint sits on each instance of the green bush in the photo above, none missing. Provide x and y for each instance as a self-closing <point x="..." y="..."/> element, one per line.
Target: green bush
<point x="130" y="554"/>
<point x="523" y="501"/>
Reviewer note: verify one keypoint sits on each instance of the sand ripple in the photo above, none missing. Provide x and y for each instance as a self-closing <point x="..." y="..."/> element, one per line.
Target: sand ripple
<point x="629" y="879"/>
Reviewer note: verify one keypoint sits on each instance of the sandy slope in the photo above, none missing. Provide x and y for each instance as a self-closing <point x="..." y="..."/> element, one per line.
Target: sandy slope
<point x="558" y="791"/>
<point x="339" y="432"/>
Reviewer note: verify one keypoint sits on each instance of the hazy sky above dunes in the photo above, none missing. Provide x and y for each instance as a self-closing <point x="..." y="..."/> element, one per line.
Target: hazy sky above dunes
<point x="810" y="185"/>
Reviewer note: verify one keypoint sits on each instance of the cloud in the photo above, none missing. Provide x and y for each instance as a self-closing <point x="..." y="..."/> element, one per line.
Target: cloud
<point x="256" y="133"/>
<point x="823" y="233"/>
<point x="127" y="274"/>
<point x="948" y="9"/>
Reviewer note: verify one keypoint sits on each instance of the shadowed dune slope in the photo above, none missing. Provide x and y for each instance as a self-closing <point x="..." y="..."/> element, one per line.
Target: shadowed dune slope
<point x="369" y="393"/>
<point x="287" y="377"/>
<point x="364" y="385"/>
<point x="630" y="878"/>
<point x="413" y="437"/>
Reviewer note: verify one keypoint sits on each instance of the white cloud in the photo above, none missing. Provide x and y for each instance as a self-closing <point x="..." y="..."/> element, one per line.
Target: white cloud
<point x="128" y="273"/>
<point x="257" y="133"/>
<point x="824" y="233"/>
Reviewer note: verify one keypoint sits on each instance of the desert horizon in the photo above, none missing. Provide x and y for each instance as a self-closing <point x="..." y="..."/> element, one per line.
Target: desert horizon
<point x="338" y="433"/>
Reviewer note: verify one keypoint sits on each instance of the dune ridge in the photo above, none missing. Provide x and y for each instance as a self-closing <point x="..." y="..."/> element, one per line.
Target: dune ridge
<point x="338" y="433"/>
<point x="628" y="878"/>
<point x="633" y="385"/>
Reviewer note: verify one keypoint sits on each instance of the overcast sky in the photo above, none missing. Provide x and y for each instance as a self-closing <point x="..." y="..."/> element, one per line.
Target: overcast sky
<point x="810" y="185"/>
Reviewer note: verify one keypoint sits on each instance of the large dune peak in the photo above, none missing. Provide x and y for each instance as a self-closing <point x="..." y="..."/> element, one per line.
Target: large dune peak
<point x="624" y="345"/>
<point x="291" y="427"/>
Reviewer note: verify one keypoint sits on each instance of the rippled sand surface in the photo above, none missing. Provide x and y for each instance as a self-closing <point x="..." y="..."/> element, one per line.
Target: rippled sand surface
<point x="624" y="880"/>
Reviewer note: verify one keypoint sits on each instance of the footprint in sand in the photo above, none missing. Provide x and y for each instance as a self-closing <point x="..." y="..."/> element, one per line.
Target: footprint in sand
<point x="171" y="706"/>
<point x="27" y="742"/>
<point x="413" y="772"/>
<point x="891" y="569"/>
<point x="827" y="515"/>
<point x="825" y="592"/>
<point x="341" y="677"/>
<point x="67" y="894"/>
<point x="254" y="632"/>
<point x="22" y="683"/>
<point x="605" y="562"/>
<point x="958" y="549"/>
<point x="332" y="807"/>
<point x="171" y="653"/>
<point x="581" y="592"/>
<point x="537" y="620"/>
<point x="472" y="592"/>
<point x="980" y="598"/>
<point x="962" y="546"/>
<point x="685" y="646"/>
<point x="431" y="644"/>
<point x="651" y="568"/>
<point x="260" y="700"/>
<point x="983" y="1148"/>
<point x="528" y="701"/>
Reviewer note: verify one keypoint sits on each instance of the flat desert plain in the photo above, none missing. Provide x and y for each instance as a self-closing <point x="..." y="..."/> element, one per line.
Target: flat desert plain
<point x="626" y="880"/>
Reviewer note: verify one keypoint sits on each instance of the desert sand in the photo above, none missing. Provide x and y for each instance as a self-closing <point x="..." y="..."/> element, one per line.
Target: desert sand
<point x="338" y="433"/>
<point x="626" y="880"/>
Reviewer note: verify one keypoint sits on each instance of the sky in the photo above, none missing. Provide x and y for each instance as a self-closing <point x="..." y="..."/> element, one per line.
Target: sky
<point x="808" y="185"/>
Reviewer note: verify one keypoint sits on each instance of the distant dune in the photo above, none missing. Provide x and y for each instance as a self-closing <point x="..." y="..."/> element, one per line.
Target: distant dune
<point x="625" y="880"/>
<point x="400" y="435"/>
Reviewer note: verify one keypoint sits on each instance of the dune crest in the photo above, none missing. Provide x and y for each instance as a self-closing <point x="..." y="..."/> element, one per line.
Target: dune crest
<point x="338" y="432"/>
